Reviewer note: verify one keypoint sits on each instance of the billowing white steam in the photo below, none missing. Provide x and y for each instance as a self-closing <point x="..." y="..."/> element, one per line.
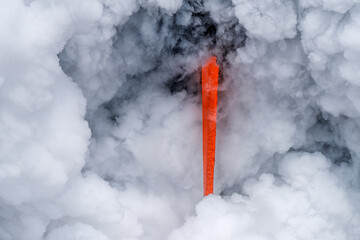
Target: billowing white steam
<point x="100" y="119"/>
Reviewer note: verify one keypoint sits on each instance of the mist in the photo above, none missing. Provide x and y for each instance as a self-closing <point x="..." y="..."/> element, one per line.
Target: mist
<point x="101" y="129"/>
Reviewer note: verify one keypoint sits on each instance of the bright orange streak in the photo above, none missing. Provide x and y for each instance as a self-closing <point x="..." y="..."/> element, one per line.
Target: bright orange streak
<point x="210" y="73"/>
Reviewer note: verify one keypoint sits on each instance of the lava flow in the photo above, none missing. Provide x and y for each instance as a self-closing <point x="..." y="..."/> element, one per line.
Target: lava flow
<point x="210" y="73"/>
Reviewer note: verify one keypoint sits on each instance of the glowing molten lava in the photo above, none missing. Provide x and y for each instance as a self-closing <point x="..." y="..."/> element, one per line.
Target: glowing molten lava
<point x="210" y="73"/>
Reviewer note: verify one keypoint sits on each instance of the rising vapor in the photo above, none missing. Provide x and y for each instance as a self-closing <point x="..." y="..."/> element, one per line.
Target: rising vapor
<point x="101" y="125"/>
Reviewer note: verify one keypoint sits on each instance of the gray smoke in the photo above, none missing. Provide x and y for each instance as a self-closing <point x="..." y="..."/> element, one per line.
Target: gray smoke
<point x="100" y="119"/>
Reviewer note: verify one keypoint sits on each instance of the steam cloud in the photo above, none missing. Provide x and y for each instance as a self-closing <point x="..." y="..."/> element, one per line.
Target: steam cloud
<point x="100" y="119"/>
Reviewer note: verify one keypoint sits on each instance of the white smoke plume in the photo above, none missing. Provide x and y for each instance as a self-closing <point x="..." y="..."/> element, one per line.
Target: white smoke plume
<point x="100" y="119"/>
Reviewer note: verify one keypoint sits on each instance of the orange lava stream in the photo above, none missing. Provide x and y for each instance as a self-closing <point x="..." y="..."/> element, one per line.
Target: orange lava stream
<point x="210" y="73"/>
